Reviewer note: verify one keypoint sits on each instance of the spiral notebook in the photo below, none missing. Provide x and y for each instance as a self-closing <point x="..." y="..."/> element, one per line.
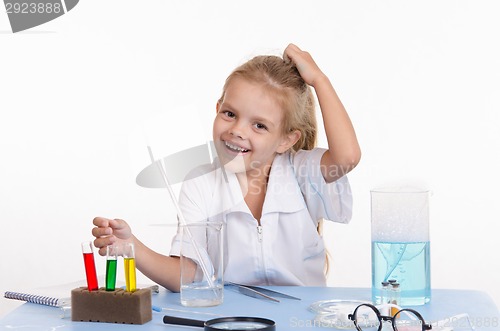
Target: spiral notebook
<point x="55" y="296"/>
<point x="36" y="298"/>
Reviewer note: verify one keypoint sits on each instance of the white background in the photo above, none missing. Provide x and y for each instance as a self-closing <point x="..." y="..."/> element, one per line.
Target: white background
<point x="83" y="95"/>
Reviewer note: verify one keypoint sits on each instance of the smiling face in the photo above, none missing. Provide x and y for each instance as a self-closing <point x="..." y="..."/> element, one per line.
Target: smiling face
<point x="247" y="130"/>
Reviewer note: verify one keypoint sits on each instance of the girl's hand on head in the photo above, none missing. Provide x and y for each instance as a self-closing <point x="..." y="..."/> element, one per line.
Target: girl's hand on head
<point x="305" y="64"/>
<point x="110" y="231"/>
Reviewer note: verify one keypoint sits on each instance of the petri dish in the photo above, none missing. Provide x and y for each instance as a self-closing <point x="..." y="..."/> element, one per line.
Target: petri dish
<point x="333" y="306"/>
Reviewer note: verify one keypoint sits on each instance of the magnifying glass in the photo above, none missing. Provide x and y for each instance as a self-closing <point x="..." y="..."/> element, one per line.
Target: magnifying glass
<point x="225" y="323"/>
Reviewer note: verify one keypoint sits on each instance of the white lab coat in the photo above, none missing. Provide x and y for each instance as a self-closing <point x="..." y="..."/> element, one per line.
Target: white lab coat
<point x="286" y="248"/>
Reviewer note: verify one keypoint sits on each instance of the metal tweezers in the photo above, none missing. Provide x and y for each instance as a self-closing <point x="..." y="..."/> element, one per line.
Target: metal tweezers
<point x="259" y="292"/>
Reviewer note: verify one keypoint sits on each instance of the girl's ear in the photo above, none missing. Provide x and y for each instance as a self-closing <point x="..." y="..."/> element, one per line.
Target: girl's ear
<point x="288" y="141"/>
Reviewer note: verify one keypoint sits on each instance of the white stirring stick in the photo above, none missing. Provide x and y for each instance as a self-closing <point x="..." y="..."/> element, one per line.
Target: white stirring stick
<point x="182" y="219"/>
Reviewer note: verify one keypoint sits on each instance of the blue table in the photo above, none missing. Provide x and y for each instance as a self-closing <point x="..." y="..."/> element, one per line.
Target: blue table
<point x="288" y="314"/>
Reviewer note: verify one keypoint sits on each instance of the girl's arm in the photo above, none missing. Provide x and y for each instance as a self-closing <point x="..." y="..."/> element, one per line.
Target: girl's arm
<point x="343" y="152"/>
<point x="164" y="270"/>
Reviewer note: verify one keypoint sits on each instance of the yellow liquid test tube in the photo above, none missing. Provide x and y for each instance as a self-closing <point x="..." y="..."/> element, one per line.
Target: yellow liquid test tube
<point x="129" y="262"/>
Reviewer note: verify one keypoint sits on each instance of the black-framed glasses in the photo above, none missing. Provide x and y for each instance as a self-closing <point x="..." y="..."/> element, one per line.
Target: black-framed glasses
<point x="367" y="317"/>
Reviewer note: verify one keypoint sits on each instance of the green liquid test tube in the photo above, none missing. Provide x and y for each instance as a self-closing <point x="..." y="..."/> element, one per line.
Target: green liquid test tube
<point x="111" y="265"/>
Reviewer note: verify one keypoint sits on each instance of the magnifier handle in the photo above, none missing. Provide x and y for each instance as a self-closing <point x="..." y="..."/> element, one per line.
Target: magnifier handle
<point x="182" y="321"/>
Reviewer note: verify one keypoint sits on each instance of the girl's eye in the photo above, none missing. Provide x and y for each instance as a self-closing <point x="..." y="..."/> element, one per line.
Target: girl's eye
<point x="229" y="113"/>
<point x="260" y="126"/>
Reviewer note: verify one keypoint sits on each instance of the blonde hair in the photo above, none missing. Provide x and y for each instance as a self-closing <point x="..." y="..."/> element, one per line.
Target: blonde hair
<point x="282" y="80"/>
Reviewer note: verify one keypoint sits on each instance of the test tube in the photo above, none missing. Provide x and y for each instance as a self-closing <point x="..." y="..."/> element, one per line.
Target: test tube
<point x="129" y="262"/>
<point x="90" y="271"/>
<point x="395" y="297"/>
<point x="384" y="297"/>
<point x="111" y="265"/>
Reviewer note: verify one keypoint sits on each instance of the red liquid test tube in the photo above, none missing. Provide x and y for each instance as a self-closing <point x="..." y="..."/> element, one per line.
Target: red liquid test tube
<point x="90" y="271"/>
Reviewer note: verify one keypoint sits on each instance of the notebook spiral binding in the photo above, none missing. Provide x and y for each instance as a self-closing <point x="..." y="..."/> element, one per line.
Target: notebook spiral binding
<point x="33" y="298"/>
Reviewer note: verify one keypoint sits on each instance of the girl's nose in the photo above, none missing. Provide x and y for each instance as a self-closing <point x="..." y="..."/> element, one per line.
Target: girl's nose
<point x="237" y="130"/>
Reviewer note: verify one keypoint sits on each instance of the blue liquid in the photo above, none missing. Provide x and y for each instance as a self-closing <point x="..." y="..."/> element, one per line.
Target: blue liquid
<point x="409" y="264"/>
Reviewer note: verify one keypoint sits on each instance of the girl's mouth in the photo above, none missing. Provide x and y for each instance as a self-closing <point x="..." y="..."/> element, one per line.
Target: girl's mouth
<point x="235" y="148"/>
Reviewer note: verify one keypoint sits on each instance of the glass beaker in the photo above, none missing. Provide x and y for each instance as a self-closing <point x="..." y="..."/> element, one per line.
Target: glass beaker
<point x="201" y="262"/>
<point x="400" y="243"/>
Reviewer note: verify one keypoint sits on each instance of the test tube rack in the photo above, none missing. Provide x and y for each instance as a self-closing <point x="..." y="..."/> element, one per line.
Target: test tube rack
<point x="118" y="306"/>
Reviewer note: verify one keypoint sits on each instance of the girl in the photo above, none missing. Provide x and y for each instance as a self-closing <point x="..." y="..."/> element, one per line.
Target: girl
<point x="265" y="134"/>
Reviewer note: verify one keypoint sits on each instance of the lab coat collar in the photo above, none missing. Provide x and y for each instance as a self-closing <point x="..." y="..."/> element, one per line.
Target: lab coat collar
<point x="283" y="192"/>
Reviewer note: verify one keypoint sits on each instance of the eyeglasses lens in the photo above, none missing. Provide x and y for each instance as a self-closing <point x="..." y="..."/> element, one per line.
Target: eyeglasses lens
<point x="366" y="318"/>
<point x="407" y="321"/>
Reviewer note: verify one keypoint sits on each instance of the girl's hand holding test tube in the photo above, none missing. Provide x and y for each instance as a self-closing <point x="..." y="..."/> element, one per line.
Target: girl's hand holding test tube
<point x="115" y="235"/>
<point x="159" y="268"/>
<point x="110" y="232"/>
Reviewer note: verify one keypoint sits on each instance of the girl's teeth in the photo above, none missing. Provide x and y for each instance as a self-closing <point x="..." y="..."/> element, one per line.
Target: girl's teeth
<point x="236" y="148"/>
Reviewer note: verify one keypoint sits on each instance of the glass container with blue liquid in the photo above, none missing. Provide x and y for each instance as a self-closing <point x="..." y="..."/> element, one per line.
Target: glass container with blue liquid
<point x="400" y="243"/>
